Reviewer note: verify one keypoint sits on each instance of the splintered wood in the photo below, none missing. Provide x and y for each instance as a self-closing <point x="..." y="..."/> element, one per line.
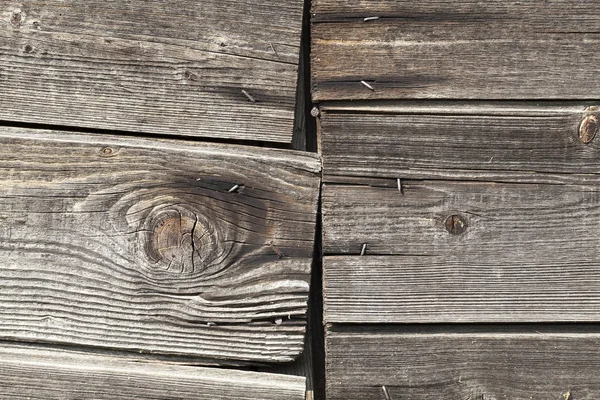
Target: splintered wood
<point x="141" y="245"/>
<point x="211" y="68"/>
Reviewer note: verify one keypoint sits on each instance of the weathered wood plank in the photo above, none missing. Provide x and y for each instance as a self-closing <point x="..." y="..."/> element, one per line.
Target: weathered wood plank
<point x="461" y="252"/>
<point x="455" y="49"/>
<point x="456" y="289"/>
<point x="496" y="362"/>
<point x="153" y="66"/>
<point x="485" y="139"/>
<point x="514" y="221"/>
<point x="37" y="373"/>
<point x="155" y="246"/>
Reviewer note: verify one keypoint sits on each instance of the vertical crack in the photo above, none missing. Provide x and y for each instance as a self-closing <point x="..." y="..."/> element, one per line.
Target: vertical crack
<point x="193" y="234"/>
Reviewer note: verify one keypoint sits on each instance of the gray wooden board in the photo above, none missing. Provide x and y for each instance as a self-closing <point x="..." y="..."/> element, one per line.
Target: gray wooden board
<point x="144" y="245"/>
<point x="455" y="49"/>
<point x="496" y="362"/>
<point x="400" y="140"/>
<point x="153" y="66"/>
<point x="40" y="373"/>
<point x="530" y="252"/>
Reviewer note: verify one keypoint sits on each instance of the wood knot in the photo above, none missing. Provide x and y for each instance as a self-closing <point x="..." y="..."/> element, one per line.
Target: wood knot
<point x="108" y="151"/>
<point x="456" y="224"/>
<point x="588" y="129"/>
<point x="16" y="19"/>
<point x="180" y="241"/>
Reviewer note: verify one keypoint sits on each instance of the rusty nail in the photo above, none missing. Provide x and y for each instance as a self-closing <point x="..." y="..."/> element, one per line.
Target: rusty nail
<point x="588" y="129"/>
<point x="276" y="250"/>
<point x="107" y="151"/>
<point x="456" y="224"/>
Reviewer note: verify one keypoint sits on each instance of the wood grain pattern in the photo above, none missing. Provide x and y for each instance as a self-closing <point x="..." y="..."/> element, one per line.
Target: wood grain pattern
<point x="155" y="246"/>
<point x="521" y="363"/>
<point x="528" y="252"/>
<point x="497" y="141"/>
<point x="38" y="373"/>
<point x="457" y="289"/>
<point x="455" y="49"/>
<point x="153" y="66"/>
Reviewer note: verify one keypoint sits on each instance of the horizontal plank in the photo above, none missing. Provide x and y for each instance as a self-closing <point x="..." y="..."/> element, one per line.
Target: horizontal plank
<point x="503" y="221"/>
<point x="444" y="251"/>
<point x="519" y="221"/>
<point x="454" y="49"/>
<point x="153" y="66"/>
<point x="456" y="289"/>
<point x="155" y="246"/>
<point x="526" y="363"/>
<point x="484" y="139"/>
<point x="37" y="373"/>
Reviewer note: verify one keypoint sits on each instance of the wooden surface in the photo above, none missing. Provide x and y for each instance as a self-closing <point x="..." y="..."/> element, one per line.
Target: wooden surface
<point x="455" y="49"/>
<point x="499" y="141"/>
<point x="155" y="246"/>
<point x="520" y="363"/>
<point x="39" y="373"/>
<point x="153" y="66"/>
<point x="528" y="253"/>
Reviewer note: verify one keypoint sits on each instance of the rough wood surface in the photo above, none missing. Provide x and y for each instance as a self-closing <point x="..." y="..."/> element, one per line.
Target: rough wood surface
<point x="38" y="373"/>
<point x="533" y="222"/>
<point x="486" y="139"/>
<point x="153" y="66"/>
<point x="455" y="49"/>
<point x="456" y="289"/>
<point x="461" y="252"/>
<point x="520" y="363"/>
<point x="155" y="246"/>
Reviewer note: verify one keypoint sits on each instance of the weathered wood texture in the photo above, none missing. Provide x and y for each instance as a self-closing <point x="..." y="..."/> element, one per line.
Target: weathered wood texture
<point x="455" y="49"/>
<point x="493" y="141"/>
<point x="512" y="252"/>
<point x="521" y="363"/>
<point x="37" y="373"/>
<point x="155" y="246"/>
<point x="153" y="66"/>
